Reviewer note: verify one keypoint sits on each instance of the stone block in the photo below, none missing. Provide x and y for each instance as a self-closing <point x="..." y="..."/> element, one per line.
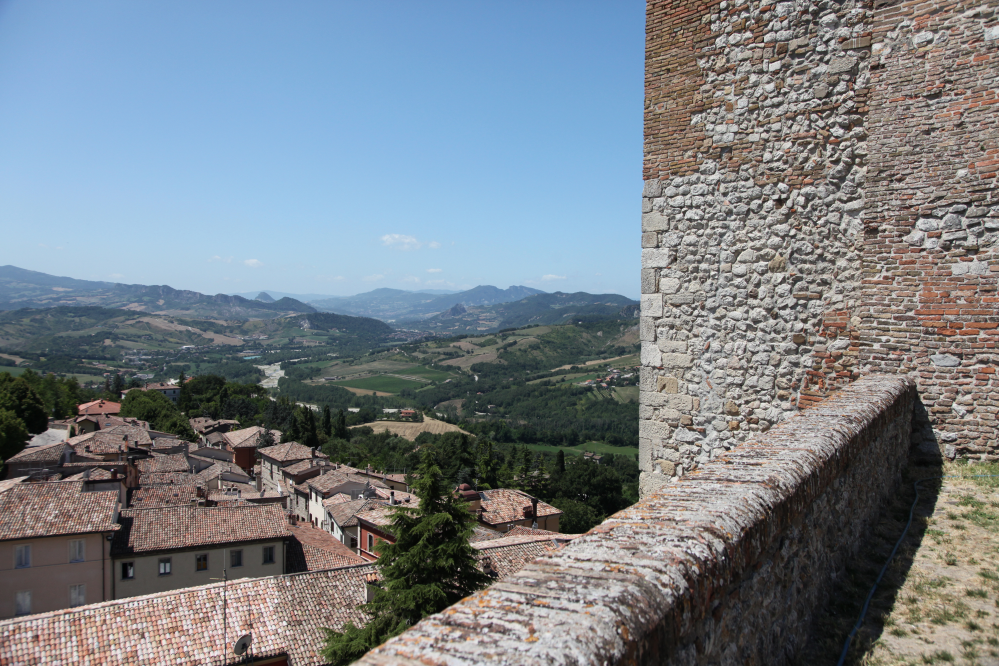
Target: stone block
<point x="674" y="360"/>
<point x="654" y="221"/>
<point x="679" y="401"/>
<point x="656" y="258"/>
<point x="669" y="285"/>
<point x="648" y="281"/>
<point x="672" y="345"/>
<point x="652" y="305"/>
<point x="667" y="384"/>
<point x="651" y="356"/>
<point x="650" y="240"/>
<point x="652" y="188"/>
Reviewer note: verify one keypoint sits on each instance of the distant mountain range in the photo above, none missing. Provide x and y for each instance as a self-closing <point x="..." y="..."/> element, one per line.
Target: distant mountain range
<point x="396" y="304"/>
<point x="483" y="308"/>
<point x="538" y="309"/>
<point x="21" y="288"/>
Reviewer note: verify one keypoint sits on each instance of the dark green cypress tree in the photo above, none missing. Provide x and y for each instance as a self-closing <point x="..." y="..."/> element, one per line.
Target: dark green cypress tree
<point x="311" y="437"/>
<point x="429" y="567"/>
<point x="327" y="420"/>
<point x="340" y="426"/>
<point x="560" y="461"/>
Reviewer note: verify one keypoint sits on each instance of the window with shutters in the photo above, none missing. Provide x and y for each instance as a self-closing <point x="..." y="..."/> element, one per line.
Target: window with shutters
<point x="201" y="562"/>
<point x="22" y="556"/>
<point x="22" y="603"/>
<point x="166" y="566"/>
<point x="268" y="554"/>
<point x="235" y="558"/>
<point x="127" y="570"/>
<point x="77" y="595"/>
<point x="77" y="552"/>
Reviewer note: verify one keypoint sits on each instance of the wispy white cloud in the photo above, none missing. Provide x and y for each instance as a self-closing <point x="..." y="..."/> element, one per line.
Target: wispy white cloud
<point x="435" y="270"/>
<point x="221" y="259"/>
<point x="253" y="263"/>
<point x="549" y="278"/>
<point x="401" y="242"/>
<point x="373" y="278"/>
<point x="410" y="278"/>
<point x="433" y="245"/>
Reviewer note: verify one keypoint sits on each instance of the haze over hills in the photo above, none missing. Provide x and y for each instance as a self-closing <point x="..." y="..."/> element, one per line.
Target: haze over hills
<point x="542" y="308"/>
<point x="395" y="304"/>
<point x="21" y="288"/>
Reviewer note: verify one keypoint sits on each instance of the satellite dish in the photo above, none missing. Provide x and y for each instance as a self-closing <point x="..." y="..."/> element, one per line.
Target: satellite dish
<point x="242" y="645"/>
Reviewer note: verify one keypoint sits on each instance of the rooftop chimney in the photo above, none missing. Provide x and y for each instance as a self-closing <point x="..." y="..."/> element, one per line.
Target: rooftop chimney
<point x="392" y="498"/>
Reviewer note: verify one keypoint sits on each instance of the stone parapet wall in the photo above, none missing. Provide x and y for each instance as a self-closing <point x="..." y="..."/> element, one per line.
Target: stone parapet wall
<point x="752" y="219"/>
<point x="725" y="566"/>
<point x="930" y="255"/>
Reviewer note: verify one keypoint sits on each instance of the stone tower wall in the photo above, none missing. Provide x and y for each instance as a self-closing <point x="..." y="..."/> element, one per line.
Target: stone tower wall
<point x="791" y="150"/>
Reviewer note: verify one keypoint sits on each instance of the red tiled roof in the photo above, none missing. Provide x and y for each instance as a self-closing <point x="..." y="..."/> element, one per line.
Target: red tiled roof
<point x="313" y="549"/>
<point x="153" y="496"/>
<point x="170" y="528"/>
<point x="345" y="513"/>
<point x="103" y="421"/>
<point x="504" y="506"/>
<point x="31" y="510"/>
<point x="163" y="463"/>
<point x="99" y="407"/>
<point x="286" y="615"/>
<point x="168" y="479"/>
<point x="380" y="515"/>
<point x="245" y="438"/>
<point x="50" y="453"/>
<point x="508" y="557"/>
<point x="288" y="452"/>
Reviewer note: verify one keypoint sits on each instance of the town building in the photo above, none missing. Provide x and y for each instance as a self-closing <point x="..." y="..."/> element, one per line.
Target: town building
<point x="286" y="616"/>
<point x="54" y="548"/>
<point x="167" y="548"/>
<point x="503" y="509"/>
<point x="275" y="458"/>
<point x="245" y="442"/>
<point x="103" y="407"/>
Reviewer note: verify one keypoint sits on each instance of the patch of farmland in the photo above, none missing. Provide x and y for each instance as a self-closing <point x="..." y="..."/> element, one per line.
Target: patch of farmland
<point x="469" y="361"/>
<point x="380" y="383"/>
<point x="411" y="430"/>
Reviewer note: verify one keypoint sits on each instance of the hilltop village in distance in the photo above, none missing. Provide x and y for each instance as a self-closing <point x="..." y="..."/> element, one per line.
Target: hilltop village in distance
<point x="169" y="449"/>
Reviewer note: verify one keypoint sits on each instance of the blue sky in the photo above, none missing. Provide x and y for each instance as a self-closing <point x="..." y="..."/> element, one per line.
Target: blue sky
<point x="323" y="147"/>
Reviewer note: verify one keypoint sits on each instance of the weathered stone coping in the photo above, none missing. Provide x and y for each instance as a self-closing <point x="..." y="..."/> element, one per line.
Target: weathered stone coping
<point x="651" y="583"/>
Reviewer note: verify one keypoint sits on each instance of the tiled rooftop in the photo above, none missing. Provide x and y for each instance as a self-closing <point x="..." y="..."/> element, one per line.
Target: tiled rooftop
<point x="244" y="438"/>
<point x="99" y="407"/>
<point x="313" y="549"/>
<point x="285" y="615"/>
<point x="379" y="515"/>
<point x="49" y="454"/>
<point x="164" y="463"/>
<point x="150" y="530"/>
<point x="30" y="510"/>
<point x="169" y="479"/>
<point x="503" y="506"/>
<point x="507" y="557"/>
<point x="288" y="452"/>
<point x="105" y="421"/>
<point x="345" y="513"/>
<point x="153" y="496"/>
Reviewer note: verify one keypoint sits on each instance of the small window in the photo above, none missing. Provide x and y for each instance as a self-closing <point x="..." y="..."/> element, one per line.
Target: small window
<point x="22" y="603"/>
<point x="235" y="558"/>
<point x="268" y="554"/>
<point x="22" y="558"/>
<point x="77" y="551"/>
<point x="201" y="562"/>
<point x="371" y="543"/>
<point x="127" y="570"/>
<point x="353" y="542"/>
<point x="166" y="566"/>
<point x="77" y="595"/>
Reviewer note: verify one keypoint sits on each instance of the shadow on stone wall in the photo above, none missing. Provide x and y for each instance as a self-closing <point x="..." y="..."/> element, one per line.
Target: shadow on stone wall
<point x="848" y="595"/>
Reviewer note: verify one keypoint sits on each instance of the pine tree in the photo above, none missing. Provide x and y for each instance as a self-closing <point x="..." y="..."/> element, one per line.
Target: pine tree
<point x="560" y="461"/>
<point x="429" y="567"/>
<point x="311" y="436"/>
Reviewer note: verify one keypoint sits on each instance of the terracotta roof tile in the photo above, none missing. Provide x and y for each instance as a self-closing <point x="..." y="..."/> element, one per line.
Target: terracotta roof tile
<point x="99" y="407"/>
<point x="164" y="463"/>
<point x="168" y="479"/>
<point x="507" y="559"/>
<point x="30" y="510"/>
<point x="169" y="528"/>
<point x="345" y="513"/>
<point x="288" y="452"/>
<point x="154" y="496"/>
<point x="50" y="453"/>
<point x="313" y="549"/>
<point x="504" y="506"/>
<point x="285" y="614"/>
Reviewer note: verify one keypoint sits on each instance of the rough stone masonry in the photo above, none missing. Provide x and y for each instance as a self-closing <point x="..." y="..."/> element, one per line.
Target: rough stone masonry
<point x="819" y="203"/>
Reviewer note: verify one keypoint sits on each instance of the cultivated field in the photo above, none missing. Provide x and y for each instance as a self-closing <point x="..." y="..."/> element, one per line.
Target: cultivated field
<point x="380" y="383"/>
<point x="411" y="430"/>
<point x="595" y="447"/>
